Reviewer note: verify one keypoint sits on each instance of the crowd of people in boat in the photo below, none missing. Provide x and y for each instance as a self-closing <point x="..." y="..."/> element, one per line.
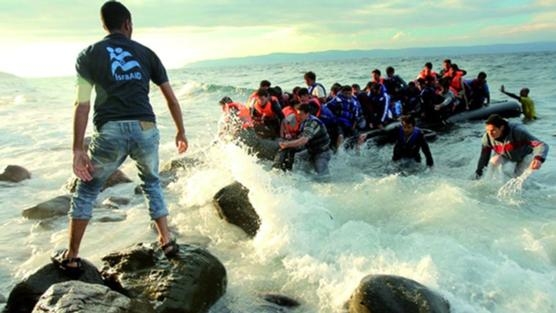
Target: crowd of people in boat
<point x="309" y="117"/>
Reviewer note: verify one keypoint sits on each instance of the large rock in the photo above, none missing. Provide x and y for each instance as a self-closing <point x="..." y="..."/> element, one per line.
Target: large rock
<point x="58" y="206"/>
<point x="191" y="282"/>
<point x="169" y="170"/>
<point x="76" y="296"/>
<point x="25" y="294"/>
<point x="15" y="174"/>
<point x="232" y="204"/>
<point x="118" y="177"/>
<point x="395" y="294"/>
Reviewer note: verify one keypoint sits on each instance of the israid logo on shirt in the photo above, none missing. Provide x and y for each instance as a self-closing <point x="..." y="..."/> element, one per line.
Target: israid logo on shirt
<point x="125" y="72"/>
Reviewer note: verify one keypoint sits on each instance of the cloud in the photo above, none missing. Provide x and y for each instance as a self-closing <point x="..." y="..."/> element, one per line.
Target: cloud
<point x="400" y="36"/>
<point x="545" y="3"/>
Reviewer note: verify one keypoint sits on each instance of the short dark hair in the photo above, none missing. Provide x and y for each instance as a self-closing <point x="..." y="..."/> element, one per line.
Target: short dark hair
<point x="428" y="65"/>
<point x="114" y="15"/>
<point x="389" y="69"/>
<point x="407" y="119"/>
<point x="302" y="91"/>
<point x="225" y="100"/>
<point x="449" y="61"/>
<point x="346" y="88"/>
<point x="264" y="83"/>
<point x="482" y="75"/>
<point x="496" y="120"/>
<point x="376" y="71"/>
<point x="275" y="91"/>
<point x="336" y="87"/>
<point x="305" y="107"/>
<point x="310" y="75"/>
<point x="263" y="92"/>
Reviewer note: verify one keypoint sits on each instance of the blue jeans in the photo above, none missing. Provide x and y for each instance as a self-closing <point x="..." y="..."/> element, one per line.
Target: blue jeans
<point x="319" y="161"/>
<point x="108" y="149"/>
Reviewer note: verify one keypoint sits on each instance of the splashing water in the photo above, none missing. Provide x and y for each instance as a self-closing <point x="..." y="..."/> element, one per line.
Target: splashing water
<point x="514" y="185"/>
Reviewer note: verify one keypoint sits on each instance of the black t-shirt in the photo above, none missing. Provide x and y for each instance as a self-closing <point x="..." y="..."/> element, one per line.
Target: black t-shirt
<point x="120" y="70"/>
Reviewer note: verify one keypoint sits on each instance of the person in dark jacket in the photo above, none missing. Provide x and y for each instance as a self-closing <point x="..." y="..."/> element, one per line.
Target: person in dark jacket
<point x="410" y="141"/>
<point x="510" y="143"/>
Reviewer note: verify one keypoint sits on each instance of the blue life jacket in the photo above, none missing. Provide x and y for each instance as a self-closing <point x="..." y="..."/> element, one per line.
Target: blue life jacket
<point x="412" y="138"/>
<point x="310" y="89"/>
<point x="347" y="112"/>
<point x="326" y="116"/>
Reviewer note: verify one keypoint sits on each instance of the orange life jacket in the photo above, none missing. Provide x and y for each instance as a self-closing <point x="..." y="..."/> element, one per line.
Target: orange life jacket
<point x="317" y="101"/>
<point x="241" y="111"/>
<point x="289" y="131"/>
<point x="426" y="73"/>
<point x="264" y="110"/>
<point x="457" y="82"/>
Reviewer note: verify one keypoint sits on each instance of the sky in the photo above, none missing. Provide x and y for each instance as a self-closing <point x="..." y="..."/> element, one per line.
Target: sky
<point x="43" y="37"/>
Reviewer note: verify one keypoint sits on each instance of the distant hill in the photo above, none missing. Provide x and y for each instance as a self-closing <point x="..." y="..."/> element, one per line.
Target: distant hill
<point x="275" y="58"/>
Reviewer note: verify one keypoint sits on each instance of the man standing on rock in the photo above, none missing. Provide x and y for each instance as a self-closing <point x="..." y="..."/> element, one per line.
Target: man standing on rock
<point x="120" y="70"/>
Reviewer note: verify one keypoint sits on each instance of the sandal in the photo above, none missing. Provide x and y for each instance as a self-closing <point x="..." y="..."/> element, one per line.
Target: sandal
<point x="59" y="259"/>
<point x="170" y="249"/>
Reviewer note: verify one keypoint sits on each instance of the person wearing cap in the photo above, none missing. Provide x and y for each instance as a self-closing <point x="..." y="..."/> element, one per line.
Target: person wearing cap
<point x="314" y="138"/>
<point x="510" y="143"/>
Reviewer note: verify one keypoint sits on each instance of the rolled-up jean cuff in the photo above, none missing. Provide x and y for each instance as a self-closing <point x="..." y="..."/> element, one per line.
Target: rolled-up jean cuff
<point x="80" y="215"/>
<point x="80" y="209"/>
<point x="158" y="214"/>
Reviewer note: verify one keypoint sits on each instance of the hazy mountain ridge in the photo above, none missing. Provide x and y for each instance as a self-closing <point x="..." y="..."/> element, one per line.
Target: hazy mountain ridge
<point x="329" y="55"/>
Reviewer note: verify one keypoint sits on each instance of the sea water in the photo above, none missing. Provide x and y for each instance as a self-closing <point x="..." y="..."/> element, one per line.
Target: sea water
<point x="482" y="249"/>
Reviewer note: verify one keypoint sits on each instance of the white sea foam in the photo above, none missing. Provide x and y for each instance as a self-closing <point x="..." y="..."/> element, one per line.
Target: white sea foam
<point x="468" y="240"/>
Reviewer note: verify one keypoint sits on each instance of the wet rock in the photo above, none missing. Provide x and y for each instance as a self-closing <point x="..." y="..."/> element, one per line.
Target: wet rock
<point x="177" y="164"/>
<point x="138" y="190"/>
<point x="191" y="282"/>
<point x="15" y="174"/>
<point x="58" y="206"/>
<point x="25" y="294"/>
<point x="118" y="177"/>
<point x="232" y="204"/>
<point x="109" y="216"/>
<point x="395" y="294"/>
<point x="115" y="202"/>
<point x="169" y="171"/>
<point x="76" y="296"/>
<point x="281" y="300"/>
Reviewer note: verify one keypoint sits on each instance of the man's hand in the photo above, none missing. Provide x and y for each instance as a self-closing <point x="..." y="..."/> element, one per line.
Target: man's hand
<point x="535" y="164"/>
<point x="361" y="139"/>
<point x="283" y="145"/>
<point x="181" y="143"/>
<point x="82" y="165"/>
